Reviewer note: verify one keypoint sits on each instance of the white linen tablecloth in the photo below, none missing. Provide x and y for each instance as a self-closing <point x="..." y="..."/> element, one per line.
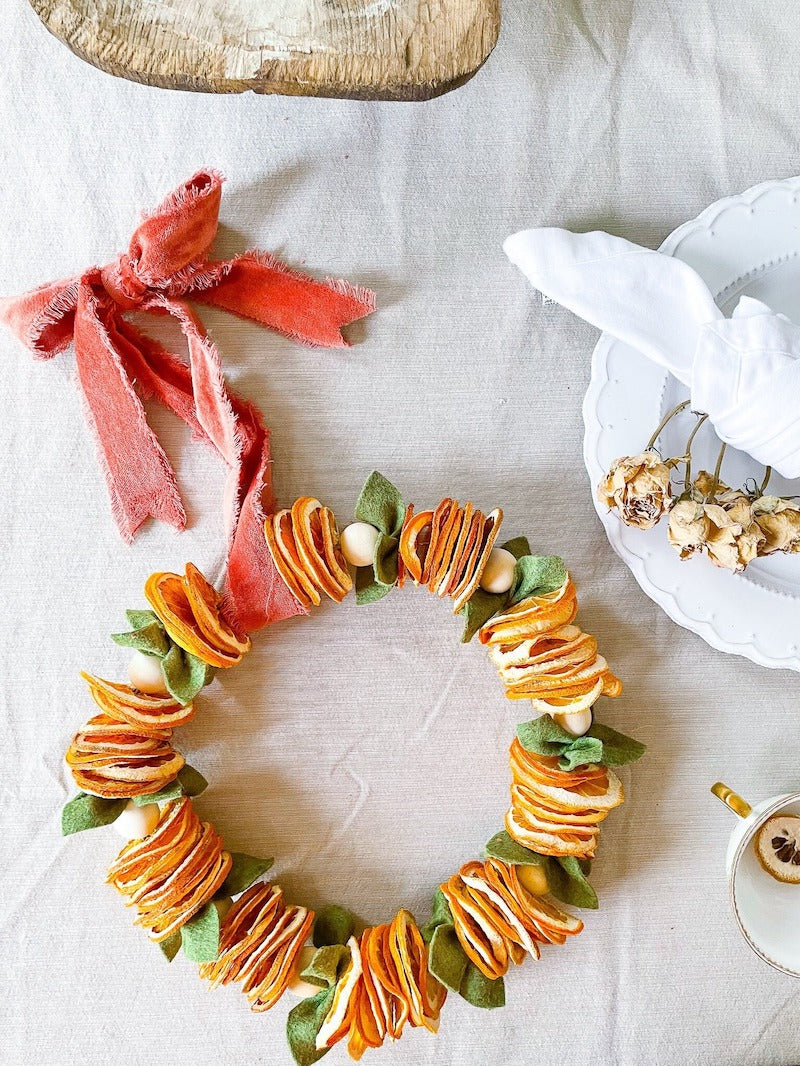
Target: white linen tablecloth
<point x="366" y="748"/>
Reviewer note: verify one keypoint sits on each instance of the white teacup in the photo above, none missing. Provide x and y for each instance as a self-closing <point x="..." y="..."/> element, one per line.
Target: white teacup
<point x="767" y="911"/>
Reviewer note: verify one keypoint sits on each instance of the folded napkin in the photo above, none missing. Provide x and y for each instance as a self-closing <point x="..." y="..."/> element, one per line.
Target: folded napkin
<point x="743" y="371"/>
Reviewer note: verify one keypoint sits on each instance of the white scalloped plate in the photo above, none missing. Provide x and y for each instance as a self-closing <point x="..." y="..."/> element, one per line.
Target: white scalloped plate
<point x="744" y="244"/>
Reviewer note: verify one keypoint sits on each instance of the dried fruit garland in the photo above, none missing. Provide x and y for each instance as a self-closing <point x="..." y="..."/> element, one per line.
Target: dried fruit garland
<point x="359" y="987"/>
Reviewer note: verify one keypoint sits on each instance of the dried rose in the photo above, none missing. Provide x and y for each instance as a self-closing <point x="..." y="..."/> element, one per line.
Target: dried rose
<point x="638" y="488"/>
<point x="688" y="528"/>
<point x="721" y="523"/>
<point x="779" y="521"/>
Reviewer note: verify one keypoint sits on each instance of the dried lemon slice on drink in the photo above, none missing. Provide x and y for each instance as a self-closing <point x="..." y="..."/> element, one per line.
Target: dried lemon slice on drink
<point x="778" y="848"/>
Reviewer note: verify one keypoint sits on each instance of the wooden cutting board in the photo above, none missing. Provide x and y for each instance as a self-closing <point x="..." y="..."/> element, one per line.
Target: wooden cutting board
<point x="363" y="49"/>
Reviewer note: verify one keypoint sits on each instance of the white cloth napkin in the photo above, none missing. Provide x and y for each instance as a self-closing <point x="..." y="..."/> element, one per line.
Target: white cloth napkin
<point x="743" y="371"/>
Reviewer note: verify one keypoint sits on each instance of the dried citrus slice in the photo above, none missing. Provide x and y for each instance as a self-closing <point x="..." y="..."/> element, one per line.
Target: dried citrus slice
<point x="777" y="846"/>
<point x="155" y="715"/>
<point x="472" y="576"/>
<point x="415" y="542"/>
<point x="532" y="616"/>
<point x="345" y="987"/>
<point x="166" y="594"/>
<point x="114" y="759"/>
<point x="205" y="603"/>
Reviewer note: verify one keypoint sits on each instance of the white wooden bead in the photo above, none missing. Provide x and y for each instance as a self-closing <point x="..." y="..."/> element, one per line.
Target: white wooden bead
<point x="498" y="574"/>
<point x="575" y="724"/>
<point x="357" y="542"/>
<point x="297" y="986"/>
<point x="144" y="673"/>
<point x="137" y="822"/>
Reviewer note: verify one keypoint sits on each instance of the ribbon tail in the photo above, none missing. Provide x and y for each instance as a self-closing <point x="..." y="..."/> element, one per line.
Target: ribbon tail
<point x="141" y="482"/>
<point x="255" y="594"/>
<point x="259" y="287"/>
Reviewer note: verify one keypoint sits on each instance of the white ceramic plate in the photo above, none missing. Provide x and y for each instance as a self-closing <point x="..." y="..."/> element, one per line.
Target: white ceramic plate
<point x="744" y="244"/>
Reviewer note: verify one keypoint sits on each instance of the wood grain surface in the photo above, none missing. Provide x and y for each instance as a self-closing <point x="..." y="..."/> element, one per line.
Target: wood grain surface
<point x="363" y="49"/>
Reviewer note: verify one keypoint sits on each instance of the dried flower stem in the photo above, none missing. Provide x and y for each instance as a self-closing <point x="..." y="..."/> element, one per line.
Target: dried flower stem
<point x="765" y="482"/>
<point x="718" y="468"/>
<point x="687" y="477"/>
<point x="667" y="418"/>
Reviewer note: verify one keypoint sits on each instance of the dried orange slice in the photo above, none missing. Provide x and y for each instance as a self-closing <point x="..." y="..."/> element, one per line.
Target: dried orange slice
<point x="114" y="759"/>
<point x="155" y="715"/>
<point x="472" y="576"/>
<point x="166" y="594"/>
<point x="205" y="603"/>
<point x="532" y="616"/>
<point x="415" y="543"/>
<point x="172" y="873"/>
<point x="303" y="543"/>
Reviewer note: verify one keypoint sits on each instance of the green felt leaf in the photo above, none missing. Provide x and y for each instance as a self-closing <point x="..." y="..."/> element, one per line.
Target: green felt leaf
<point x="518" y="546"/>
<point x="333" y="925"/>
<point x="381" y="505"/>
<point x="581" y="751"/>
<point x="477" y="611"/>
<point x="189" y="782"/>
<point x="192" y="781"/>
<point x="142" y="619"/>
<point x="536" y="575"/>
<point x="200" y="936"/>
<point x="385" y="560"/>
<point x="368" y="590"/>
<point x="544" y="736"/>
<point x="174" y="790"/>
<point x="304" y="1022"/>
<point x="89" y="812"/>
<point x="567" y="882"/>
<point x="151" y="639"/>
<point x="482" y="991"/>
<point x="171" y="946"/>
<point x="184" y="674"/>
<point x="442" y="915"/>
<point x="617" y="748"/>
<point x="244" y="871"/>
<point x="503" y="847"/>
<point x="600" y="744"/>
<point x="327" y="965"/>
<point x="447" y="960"/>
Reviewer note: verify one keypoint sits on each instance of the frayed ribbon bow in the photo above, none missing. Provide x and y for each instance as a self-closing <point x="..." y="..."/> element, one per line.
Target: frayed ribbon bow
<point x="166" y="263"/>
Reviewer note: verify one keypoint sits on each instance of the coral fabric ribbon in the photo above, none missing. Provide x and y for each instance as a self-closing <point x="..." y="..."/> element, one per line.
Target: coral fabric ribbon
<point x="166" y="262"/>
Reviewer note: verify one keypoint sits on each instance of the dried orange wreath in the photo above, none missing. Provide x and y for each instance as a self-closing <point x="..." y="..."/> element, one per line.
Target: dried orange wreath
<point x="356" y="984"/>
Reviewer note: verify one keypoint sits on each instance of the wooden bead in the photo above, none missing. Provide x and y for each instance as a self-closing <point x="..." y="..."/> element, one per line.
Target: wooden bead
<point x="137" y="822"/>
<point x="357" y="542"/>
<point x="144" y="674"/>
<point x="498" y="574"/>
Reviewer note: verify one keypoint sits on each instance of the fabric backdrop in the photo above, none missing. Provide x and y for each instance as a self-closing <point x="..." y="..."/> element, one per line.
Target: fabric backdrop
<point x="365" y="748"/>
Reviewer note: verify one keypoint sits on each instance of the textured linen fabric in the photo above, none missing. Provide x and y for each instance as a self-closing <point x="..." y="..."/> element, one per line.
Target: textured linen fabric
<point x="364" y="747"/>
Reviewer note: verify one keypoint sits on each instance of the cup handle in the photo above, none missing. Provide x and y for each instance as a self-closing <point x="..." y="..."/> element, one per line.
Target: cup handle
<point x="731" y="799"/>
